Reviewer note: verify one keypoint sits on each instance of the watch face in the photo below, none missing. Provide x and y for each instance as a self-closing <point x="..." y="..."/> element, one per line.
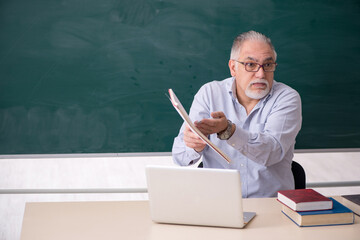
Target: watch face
<point x="226" y="135"/>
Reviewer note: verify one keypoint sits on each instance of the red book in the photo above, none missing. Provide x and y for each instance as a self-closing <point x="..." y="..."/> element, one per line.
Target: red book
<point x="304" y="200"/>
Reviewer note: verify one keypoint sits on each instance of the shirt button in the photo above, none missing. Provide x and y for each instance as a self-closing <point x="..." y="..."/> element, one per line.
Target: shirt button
<point x="233" y="144"/>
<point x="241" y="165"/>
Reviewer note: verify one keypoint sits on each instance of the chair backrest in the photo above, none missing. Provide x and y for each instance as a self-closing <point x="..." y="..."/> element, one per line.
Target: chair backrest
<point x="298" y="173"/>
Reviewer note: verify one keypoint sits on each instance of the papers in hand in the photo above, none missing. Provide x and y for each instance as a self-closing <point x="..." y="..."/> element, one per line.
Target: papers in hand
<point x="180" y="109"/>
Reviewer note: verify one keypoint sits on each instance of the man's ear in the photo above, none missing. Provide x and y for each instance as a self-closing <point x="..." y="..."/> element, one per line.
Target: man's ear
<point x="232" y="67"/>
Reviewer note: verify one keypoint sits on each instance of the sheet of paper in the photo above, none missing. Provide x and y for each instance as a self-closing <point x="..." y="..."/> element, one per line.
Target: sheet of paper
<point x="180" y="109"/>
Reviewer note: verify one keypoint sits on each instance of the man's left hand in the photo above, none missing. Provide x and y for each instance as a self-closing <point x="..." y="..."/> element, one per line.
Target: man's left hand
<point x="216" y="124"/>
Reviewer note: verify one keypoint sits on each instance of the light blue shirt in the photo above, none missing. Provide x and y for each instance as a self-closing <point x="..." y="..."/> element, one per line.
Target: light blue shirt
<point x="262" y="146"/>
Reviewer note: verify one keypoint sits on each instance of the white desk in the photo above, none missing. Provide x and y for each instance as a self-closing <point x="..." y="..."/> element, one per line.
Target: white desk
<point x="131" y="220"/>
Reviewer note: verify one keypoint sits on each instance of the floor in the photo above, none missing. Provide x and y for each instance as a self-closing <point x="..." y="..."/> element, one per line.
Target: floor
<point x="126" y="171"/>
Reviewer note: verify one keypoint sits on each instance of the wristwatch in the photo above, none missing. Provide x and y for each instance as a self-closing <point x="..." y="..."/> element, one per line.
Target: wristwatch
<point x="226" y="134"/>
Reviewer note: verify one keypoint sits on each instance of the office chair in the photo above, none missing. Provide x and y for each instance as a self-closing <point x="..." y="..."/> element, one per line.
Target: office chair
<point x="298" y="173"/>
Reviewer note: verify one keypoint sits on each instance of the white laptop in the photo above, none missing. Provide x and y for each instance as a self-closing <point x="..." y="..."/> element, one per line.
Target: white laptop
<point x="196" y="196"/>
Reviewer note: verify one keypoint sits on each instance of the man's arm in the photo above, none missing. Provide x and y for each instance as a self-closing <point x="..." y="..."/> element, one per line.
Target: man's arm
<point x="187" y="147"/>
<point x="270" y="145"/>
<point x="192" y="140"/>
<point x="266" y="147"/>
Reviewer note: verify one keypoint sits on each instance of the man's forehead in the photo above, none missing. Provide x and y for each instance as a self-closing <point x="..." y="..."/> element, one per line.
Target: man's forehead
<point x="256" y="50"/>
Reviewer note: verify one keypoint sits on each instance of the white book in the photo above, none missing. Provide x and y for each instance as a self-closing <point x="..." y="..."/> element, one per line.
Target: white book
<point x="180" y="109"/>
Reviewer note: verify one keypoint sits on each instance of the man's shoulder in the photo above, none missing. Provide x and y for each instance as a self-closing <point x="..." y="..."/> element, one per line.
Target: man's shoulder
<point x="283" y="89"/>
<point x="284" y="94"/>
<point x="218" y="85"/>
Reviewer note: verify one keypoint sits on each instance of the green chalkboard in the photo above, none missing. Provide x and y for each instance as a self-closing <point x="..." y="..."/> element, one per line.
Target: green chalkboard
<point x="89" y="76"/>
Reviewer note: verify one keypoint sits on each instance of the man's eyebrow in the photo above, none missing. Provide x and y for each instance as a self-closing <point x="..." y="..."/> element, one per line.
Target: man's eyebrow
<point x="252" y="59"/>
<point x="256" y="60"/>
<point x="268" y="59"/>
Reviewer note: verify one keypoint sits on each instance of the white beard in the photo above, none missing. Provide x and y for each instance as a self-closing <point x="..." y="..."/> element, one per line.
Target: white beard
<point x="258" y="93"/>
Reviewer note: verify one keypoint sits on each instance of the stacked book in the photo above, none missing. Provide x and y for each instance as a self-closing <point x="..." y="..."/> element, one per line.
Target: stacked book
<point x="352" y="202"/>
<point x="307" y="207"/>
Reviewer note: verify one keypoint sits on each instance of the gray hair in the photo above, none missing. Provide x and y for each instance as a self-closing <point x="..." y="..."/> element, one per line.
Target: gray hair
<point x="251" y="35"/>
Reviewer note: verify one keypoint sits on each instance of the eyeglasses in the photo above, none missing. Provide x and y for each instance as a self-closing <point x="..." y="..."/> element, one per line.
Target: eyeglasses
<point x="254" y="67"/>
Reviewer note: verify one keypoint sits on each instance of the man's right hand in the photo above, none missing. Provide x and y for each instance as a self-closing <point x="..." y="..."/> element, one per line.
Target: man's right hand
<point x="192" y="140"/>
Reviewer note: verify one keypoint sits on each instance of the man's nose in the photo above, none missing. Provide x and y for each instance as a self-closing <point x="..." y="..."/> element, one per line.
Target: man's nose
<point x="260" y="73"/>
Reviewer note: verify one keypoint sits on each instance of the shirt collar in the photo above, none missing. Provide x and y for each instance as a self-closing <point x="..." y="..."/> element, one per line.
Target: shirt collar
<point x="232" y="89"/>
<point x="271" y="92"/>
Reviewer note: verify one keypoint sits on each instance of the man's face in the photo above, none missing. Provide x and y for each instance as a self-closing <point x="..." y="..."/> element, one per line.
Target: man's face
<point x="253" y="85"/>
